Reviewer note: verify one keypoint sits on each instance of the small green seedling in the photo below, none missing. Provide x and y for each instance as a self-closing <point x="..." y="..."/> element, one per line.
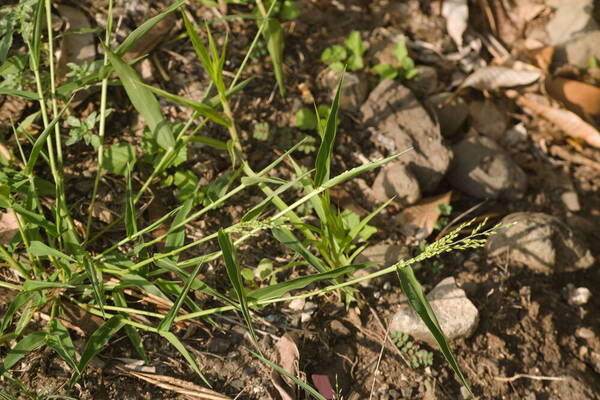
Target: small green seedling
<point x="592" y="62"/>
<point x="351" y="53"/>
<point x="404" y="68"/>
<point x="307" y="119"/>
<point x="445" y="209"/>
<point x="417" y="357"/>
<point x="84" y="129"/>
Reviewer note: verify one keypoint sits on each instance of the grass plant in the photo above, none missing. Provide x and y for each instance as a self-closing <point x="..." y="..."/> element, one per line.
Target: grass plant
<point x="53" y="262"/>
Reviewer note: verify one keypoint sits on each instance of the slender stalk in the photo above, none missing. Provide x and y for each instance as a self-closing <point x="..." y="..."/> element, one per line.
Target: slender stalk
<point x="102" y="127"/>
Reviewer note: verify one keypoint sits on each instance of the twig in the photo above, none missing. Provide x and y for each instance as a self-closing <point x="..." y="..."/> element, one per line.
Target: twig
<point x="535" y="377"/>
<point x="378" y="363"/>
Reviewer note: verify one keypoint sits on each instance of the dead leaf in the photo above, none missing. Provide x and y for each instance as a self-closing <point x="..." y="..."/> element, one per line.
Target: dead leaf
<point x="102" y="212"/>
<point x="419" y="221"/>
<point x="578" y="97"/>
<point x="323" y="385"/>
<point x="9" y="226"/>
<point x="456" y="13"/>
<point x="180" y="386"/>
<point x="152" y="38"/>
<point x="75" y="47"/>
<point x="492" y="78"/>
<point x="541" y="56"/>
<point x="566" y="120"/>
<point x="288" y="360"/>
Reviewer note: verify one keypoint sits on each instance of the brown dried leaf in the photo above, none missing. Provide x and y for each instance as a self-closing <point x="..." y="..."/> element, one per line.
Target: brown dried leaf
<point x="578" y="97"/>
<point x="419" y="221"/>
<point x="180" y="386"/>
<point x="492" y="78"/>
<point x="566" y="120"/>
<point x="75" y="47"/>
<point x="152" y="38"/>
<point x="9" y="226"/>
<point x="288" y="359"/>
<point x="456" y="13"/>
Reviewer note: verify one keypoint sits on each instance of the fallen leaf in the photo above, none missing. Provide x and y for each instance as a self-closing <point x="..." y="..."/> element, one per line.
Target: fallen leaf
<point x="152" y="38"/>
<point x="419" y="221"/>
<point x="323" y="385"/>
<point x="578" y="97"/>
<point x="456" y="13"/>
<point x="492" y="78"/>
<point x="180" y="386"/>
<point x="102" y="212"/>
<point x="541" y="56"/>
<point x="77" y="45"/>
<point x="288" y="360"/>
<point x="566" y="120"/>
<point x="9" y="226"/>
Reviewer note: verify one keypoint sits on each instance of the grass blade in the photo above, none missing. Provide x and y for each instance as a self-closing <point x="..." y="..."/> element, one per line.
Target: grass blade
<point x="287" y="237"/>
<point x="279" y="289"/>
<point x="176" y="237"/>
<point x="97" y="341"/>
<point x="323" y="161"/>
<point x="97" y="287"/>
<point x="201" y="108"/>
<point x="416" y="297"/>
<point x="165" y="324"/>
<point x="233" y="272"/>
<point x="19" y="93"/>
<point x="297" y="380"/>
<point x="14" y="306"/>
<point x="134" y="336"/>
<point x="39" y="249"/>
<point x="274" y="36"/>
<point x="60" y="341"/>
<point x="26" y="345"/>
<point x="130" y="224"/>
<point x="140" y="31"/>
<point x="144" y="101"/>
<point x="185" y="353"/>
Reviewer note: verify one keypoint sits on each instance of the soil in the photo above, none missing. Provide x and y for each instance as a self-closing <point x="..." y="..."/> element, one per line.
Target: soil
<point x="529" y="344"/>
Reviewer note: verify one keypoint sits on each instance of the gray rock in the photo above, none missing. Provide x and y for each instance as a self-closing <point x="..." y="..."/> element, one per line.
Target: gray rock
<point x="396" y="179"/>
<point x="354" y="88"/>
<point x="457" y="316"/>
<point x="571" y="17"/>
<point x="426" y="83"/>
<point x="393" y="111"/>
<point x="488" y="119"/>
<point x="541" y="242"/>
<point x="578" y="50"/>
<point x="483" y="169"/>
<point x="450" y="116"/>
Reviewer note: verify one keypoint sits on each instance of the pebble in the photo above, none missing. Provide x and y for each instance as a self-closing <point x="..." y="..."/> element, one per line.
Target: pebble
<point x="451" y="116"/>
<point x="482" y="169"/>
<point x="540" y="242"/>
<point x="578" y="51"/>
<point x="396" y="180"/>
<point x="339" y="329"/>
<point x="577" y="296"/>
<point x="456" y="314"/>
<point x="571" y="17"/>
<point x="488" y="119"/>
<point x="392" y="110"/>
<point x="354" y="88"/>
<point x="218" y="345"/>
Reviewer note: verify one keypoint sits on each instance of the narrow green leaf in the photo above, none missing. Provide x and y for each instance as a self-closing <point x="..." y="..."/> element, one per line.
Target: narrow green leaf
<point x="141" y="31"/>
<point x="131" y="331"/>
<point x="201" y="108"/>
<point x="297" y="380"/>
<point x="176" y="237"/>
<point x="185" y="353"/>
<point x="41" y="140"/>
<point x="214" y="143"/>
<point x="165" y="324"/>
<point x="35" y="219"/>
<point x="138" y="281"/>
<point x="356" y="229"/>
<point x="97" y="284"/>
<point x="199" y="48"/>
<point x="144" y="101"/>
<point x="274" y="35"/>
<point x="19" y="93"/>
<point x="39" y="249"/>
<point x="323" y="161"/>
<point x="117" y="157"/>
<point x="235" y="277"/>
<point x="97" y="341"/>
<point x="279" y="289"/>
<point x="418" y="301"/>
<point x="25" y="346"/>
<point x="130" y="220"/>
<point x="60" y="341"/>
<point x="31" y="285"/>
<point x="13" y="307"/>
<point x="287" y="237"/>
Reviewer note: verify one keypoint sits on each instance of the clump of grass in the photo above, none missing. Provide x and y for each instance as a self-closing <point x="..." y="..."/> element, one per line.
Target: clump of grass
<point x="56" y="262"/>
